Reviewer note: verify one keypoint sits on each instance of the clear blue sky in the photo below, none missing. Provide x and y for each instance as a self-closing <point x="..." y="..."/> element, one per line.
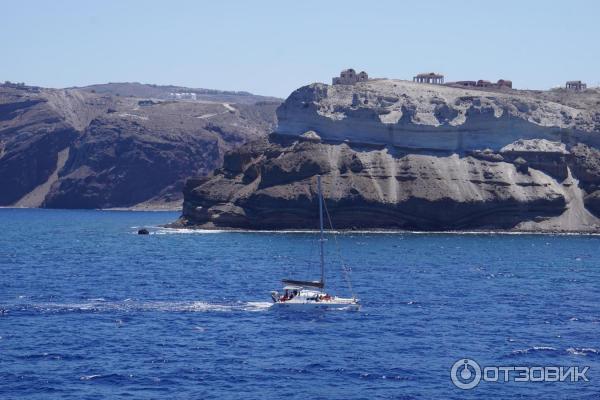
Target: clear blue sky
<point x="273" y="47"/>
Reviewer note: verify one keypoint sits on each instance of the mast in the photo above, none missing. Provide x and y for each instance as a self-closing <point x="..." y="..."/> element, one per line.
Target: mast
<point x="321" y="239"/>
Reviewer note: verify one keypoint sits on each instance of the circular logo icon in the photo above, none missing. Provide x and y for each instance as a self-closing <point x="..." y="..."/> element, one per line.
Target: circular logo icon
<point x="465" y="374"/>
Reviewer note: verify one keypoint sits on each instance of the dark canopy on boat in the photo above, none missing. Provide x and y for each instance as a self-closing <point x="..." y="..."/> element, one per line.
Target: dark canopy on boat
<point x="317" y="284"/>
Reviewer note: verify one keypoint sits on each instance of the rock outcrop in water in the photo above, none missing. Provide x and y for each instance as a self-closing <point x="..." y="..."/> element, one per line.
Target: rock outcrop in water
<point x="102" y="146"/>
<point x="399" y="155"/>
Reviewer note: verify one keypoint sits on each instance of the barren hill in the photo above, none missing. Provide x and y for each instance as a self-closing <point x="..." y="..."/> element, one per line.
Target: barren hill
<point x="88" y="148"/>
<point x="141" y="90"/>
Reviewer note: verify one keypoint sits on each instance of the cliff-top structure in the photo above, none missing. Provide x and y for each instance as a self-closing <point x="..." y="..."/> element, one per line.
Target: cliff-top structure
<point x="429" y="77"/>
<point x="349" y="77"/>
<point x="482" y="83"/>
<point x="575" y="85"/>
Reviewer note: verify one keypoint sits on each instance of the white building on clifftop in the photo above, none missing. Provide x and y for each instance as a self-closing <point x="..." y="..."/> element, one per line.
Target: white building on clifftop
<point x="183" y="96"/>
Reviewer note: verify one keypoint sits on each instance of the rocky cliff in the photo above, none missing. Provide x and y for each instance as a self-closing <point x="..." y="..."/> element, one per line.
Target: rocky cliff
<point x="96" y="148"/>
<point x="399" y="155"/>
<point x="417" y="116"/>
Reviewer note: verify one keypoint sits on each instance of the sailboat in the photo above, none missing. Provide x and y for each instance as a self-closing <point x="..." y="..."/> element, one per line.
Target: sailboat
<point x="312" y="293"/>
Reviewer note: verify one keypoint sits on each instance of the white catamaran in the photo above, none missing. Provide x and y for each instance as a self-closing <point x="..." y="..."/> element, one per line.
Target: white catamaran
<point x="312" y="293"/>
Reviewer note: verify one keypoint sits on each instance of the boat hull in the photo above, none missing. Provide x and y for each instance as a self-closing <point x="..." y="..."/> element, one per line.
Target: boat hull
<point x="346" y="304"/>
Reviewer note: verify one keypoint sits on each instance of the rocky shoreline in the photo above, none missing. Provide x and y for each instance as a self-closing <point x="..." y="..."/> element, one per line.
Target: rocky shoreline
<point x="179" y="225"/>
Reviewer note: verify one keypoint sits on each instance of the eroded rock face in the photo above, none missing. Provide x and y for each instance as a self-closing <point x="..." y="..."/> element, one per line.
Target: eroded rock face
<point x="592" y="202"/>
<point x="399" y="155"/>
<point x="549" y="157"/>
<point x="388" y="190"/>
<point x="122" y="151"/>
<point x="417" y="116"/>
<point x="585" y="164"/>
<point x="33" y="130"/>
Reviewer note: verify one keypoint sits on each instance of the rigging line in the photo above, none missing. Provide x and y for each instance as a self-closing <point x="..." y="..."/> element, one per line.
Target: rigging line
<point x="345" y="267"/>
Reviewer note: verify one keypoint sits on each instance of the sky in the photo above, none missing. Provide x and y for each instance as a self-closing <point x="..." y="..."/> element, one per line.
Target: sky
<point x="274" y="47"/>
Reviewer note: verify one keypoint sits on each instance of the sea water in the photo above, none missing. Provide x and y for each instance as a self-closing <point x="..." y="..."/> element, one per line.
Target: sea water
<point x="89" y="309"/>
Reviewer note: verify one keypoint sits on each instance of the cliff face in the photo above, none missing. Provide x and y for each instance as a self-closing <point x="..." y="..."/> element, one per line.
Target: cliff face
<point x="417" y="116"/>
<point x="34" y="128"/>
<point x="399" y="155"/>
<point x="79" y="148"/>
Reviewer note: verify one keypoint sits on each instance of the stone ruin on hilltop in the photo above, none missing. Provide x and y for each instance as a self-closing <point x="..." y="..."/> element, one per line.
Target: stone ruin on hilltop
<point x="350" y="77"/>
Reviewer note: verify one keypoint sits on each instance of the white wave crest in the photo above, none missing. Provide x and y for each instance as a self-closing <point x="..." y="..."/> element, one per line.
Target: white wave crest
<point x="147" y="306"/>
<point x="583" y="351"/>
<point x="534" y="349"/>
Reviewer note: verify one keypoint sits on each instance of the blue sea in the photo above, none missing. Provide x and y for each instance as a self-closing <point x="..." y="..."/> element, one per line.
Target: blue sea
<point x="91" y="310"/>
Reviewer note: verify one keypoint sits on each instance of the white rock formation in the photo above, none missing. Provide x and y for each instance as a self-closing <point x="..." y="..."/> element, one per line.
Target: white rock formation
<point x="416" y="116"/>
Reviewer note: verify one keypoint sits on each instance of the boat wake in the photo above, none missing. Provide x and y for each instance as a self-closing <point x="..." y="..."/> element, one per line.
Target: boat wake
<point x="549" y="350"/>
<point x="100" y="305"/>
<point x="128" y="305"/>
<point x="183" y="231"/>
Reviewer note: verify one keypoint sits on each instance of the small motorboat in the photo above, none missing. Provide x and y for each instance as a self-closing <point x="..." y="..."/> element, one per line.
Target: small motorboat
<point x="309" y="294"/>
